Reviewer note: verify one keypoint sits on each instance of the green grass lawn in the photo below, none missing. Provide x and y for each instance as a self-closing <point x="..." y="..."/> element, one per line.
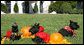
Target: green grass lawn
<point x="51" y="24"/>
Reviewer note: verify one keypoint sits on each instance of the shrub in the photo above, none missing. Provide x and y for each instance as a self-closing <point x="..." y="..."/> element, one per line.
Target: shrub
<point x="66" y="7"/>
<point x="59" y="11"/>
<point x="55" y="6"/>
<point x="72" y="11"/>
<point x="51" y="7"/>
<point x="73" y="4"/>
<point x="81" y="11"/>
<point x="16" y="8"/>
<point x="35" y="8"/>
<point x="3" y="8"/>
<point x="76" y="11"/>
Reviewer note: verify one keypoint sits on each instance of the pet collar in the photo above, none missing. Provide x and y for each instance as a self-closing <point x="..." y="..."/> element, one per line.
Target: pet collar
<point x="69" y="29"/>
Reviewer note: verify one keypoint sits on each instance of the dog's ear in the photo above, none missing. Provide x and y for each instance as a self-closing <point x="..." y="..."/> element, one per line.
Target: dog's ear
<point x="38" y="24"/>
<point x="71" y="21"/>
<point x="35" y="24"/>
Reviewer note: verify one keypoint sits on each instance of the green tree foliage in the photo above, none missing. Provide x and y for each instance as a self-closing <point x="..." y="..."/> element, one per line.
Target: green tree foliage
<point x="3" y="8"/>
<point x="65" y="7"/>
<point x="35" y="8"/>
<point x="76" y="11"/>
<point x="55" y="6"/>
<point x="73" y="4"/>
<point x="16" y="8"/>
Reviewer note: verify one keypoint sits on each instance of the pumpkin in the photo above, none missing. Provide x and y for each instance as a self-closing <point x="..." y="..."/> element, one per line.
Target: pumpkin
<point x="56" y="37"/>
<point x="25" y="31"/>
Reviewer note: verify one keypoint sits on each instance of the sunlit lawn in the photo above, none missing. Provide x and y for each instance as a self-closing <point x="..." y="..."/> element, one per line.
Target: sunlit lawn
<point x="51" y="24"/>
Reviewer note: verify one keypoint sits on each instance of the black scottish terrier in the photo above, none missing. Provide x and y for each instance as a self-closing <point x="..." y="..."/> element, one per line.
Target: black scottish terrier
<point x="14" y="37"/>
<point x="37" y="39"/>
<point x="72" y="26"/>
<point x="15" y="30"/>
<point x="34" y="29"/>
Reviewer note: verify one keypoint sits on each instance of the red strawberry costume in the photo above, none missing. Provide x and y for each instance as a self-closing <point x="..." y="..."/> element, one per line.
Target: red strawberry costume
<point x="8" y="34"/>
<point x="44" y="36"/>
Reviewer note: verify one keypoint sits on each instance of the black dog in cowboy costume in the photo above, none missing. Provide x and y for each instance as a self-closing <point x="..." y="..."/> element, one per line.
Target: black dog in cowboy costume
<point x="69" y="30"/>
<point x="14" y="34"/>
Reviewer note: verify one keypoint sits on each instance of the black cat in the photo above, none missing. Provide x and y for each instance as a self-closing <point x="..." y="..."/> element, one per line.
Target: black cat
<point x="69" y="30"/>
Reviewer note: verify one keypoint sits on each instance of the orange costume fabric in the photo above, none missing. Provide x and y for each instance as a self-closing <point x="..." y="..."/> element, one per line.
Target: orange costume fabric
<point x="26" y="32"/>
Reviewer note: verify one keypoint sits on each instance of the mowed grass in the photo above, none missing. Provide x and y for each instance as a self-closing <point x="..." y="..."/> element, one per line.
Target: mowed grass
<point x="50" y="22"/>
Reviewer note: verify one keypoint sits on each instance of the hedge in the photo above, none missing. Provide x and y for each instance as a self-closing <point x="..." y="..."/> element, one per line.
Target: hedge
<point x="80" y="11"/>
<point x="65" y="7"/>
<point x="73" y="4"/>
<point x="55" y="6"/>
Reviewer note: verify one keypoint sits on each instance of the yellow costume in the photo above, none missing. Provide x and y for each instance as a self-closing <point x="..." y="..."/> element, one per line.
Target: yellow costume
<point x="57" y="38"/>
<point x="2" y="41"/>
<point x="26" y="33"/>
